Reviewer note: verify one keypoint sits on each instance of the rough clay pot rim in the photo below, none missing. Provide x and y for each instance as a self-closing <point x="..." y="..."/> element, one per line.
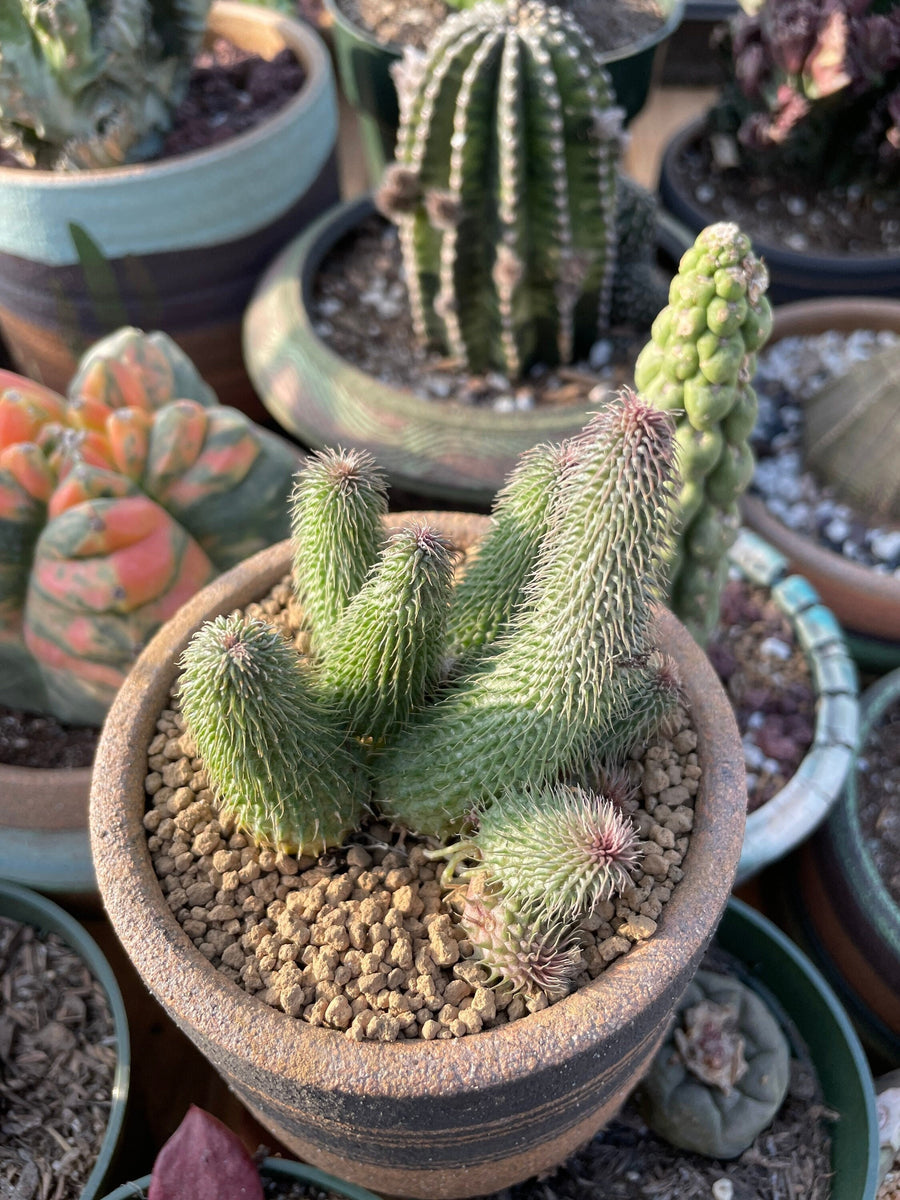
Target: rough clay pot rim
<point x="275" y="1168"/>
<point x="789" y="258"/>
<point x="671" y="23"/>
<point x="292" y="275"/>
<point x="874" y="701"/>
<point x="790" y="320"/>
<point x="185" y="981"/>
<point x="19" y="784"/>
<point x="34" y="909"/>
<point x="299" y="37"/>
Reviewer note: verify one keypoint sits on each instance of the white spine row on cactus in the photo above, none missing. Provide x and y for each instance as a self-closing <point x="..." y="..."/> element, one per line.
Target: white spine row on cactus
<point x="510" y="193"/>
<point x="607" y="148"/>
<point x="445" y="306"/>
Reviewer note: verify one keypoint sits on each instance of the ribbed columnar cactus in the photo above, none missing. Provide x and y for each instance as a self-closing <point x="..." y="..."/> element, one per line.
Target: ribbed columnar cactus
<point x="700" y="362"/>
<point x="110" y="518"/>
<point x="576" y="666"/>
<point x="387" y="652"/>
<point x="93" y="83"/>
<point x="504" y="188"/>
<point x="492" y="586"/>
<point x="337" y="504"/>
<point x="276" y="758"/>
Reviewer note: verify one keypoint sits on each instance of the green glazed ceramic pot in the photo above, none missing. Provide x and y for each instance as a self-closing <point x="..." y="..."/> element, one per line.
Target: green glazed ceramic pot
<point x="271" y="1168"/>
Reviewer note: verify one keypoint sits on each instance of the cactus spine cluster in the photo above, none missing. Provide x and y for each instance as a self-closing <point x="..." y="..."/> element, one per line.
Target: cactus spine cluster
<point x="700" y="363"/>
<point x="280" y="766"/>
<point x="116" y="505"/>
<point x="504" y="187"/>
<point x="87" y="84"/>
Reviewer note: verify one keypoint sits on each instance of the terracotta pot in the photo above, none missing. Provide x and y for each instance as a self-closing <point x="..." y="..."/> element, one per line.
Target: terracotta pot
<point x="364" y="66"/>
<point x="793" y="813"/>
<point x="427" y="1119"/>
<point x="21" y="904"/>
<point x="866" y="603"/>
<point x="184" y="239"/>
<point x="838" y="907"/>
<point x="794" y="276"/>
<point x="456" y="452"/>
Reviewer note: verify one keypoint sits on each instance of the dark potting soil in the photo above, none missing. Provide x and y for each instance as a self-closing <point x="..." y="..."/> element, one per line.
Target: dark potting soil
<point x="57" y="1062"/>
<point x="788" y="211"/>
<point x="610" y="23"/>
<point x="879" y="796"/>
<point x="767" y="678"/>
<point x="626" y="1161"/>
<point x="295" y="1189"/>
<point x="360" y="309"/>
<point x="35" y="740"/>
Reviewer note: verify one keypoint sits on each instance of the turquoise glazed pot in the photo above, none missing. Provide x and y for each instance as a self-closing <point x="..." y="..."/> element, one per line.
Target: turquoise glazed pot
<point x="21" y="904"/>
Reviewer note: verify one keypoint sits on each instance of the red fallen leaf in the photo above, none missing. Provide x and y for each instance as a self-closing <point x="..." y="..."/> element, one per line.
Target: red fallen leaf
<point x="204" y="1160"/>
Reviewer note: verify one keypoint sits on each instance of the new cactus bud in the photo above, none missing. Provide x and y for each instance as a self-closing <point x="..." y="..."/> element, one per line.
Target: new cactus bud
<point x="387" y="652"/>
<point x="563" y="675"/>
<point x="519" y="950"/>
<point x="504" y="190"/>
<point x="275" y="758"/>
<point x="492" y="586"/>
<point x="132" y="369"/>
<point x="561" y="849"/>
<point x="337" y="504"/>
<point x="700" y="361"/>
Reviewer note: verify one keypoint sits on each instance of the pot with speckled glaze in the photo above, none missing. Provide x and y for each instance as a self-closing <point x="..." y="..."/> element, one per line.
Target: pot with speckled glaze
<point x="423" y="1119"/>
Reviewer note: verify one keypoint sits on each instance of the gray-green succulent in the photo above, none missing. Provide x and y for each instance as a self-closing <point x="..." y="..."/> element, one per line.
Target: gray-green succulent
<point x="93" y="83"/>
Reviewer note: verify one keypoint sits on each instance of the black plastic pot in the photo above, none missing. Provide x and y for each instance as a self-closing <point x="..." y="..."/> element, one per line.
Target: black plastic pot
<point x="793" y="276"/>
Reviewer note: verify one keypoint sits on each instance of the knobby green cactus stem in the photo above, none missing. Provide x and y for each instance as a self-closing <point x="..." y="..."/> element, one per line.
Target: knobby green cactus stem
<point x="504" y="188"/>
<point x="275" y="757"/>
<point x="700" y="362"/>
<point x="576" y="666"/>
<point x="338" y="501"/>
<point x="388" y="649"/>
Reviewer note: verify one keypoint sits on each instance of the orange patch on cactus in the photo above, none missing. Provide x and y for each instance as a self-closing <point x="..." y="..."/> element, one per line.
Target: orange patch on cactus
<point x="87" y="483"/>
<point x="85" y="412"/>
<point x="31" y="471"/>
<point x="24" y="411"/>
<point x="55" y="656"/>
<point x="176" y="440"/>
<point x="128" y="432"/>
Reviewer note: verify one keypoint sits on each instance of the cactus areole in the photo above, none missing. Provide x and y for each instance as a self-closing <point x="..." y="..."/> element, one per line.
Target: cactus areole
<point x="504" y="188"/>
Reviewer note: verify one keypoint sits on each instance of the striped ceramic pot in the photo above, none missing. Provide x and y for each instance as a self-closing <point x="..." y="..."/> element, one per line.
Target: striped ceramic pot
<point x="175" y="244"/>
<point x="421" y="1119"/>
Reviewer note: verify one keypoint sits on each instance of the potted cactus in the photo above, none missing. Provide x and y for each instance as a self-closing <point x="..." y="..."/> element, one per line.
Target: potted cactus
<point x="92" y="235"/>
<point x="544" y="265"/>
<point x="553" y="667"/>
<point x="802" y="148"/>
<point x="116" y="505"/>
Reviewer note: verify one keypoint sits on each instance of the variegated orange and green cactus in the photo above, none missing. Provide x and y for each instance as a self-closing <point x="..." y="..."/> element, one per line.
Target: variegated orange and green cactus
<point x="116" y="505"/>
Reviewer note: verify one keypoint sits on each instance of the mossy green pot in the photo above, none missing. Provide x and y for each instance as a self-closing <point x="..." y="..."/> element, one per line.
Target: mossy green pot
<point x="270" y="1168"/>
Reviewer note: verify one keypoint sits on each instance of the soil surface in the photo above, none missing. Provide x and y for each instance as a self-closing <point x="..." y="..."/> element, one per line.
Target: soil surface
<point x="363" y="940"/>
<point x="57" y="1062"/>
<point x="611" y="24"/>
<point x="626" y="1161"/>
<point x="34" y="740"/>
<point x="767" y="678"/>
<point x="360" y="309"/>
<point x="787" y="212"/>
<point x="878" y="781"/>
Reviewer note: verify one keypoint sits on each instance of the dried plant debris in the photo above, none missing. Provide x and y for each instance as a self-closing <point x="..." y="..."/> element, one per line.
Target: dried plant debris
<point x="57" y="1061"/>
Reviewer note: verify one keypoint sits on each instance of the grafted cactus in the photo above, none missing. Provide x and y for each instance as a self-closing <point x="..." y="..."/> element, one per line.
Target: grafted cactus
<point x="700" y="362"/>
<point x="276" y="759"/>
<point x="93" y="83"/>
<point x="504" y="188"/>
<point x="576" y="667"/>
<point x="110" y="518"/>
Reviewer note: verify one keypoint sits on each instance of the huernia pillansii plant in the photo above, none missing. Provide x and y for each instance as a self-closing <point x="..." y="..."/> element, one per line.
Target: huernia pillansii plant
<point x="816" y="90"/>
<point x="492" y="752"/>
<point x="699" y="364"/>
<point x="93" y="83"/>
<point x="505" y="190"/>
<point x="116" y="505"/>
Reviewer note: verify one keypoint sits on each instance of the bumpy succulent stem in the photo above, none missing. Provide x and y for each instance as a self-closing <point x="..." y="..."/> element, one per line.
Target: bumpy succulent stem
<point x="578" y="650"/>
<point x="276" y="758"/>
<point x="504" y="188"/>
<point x="492" y="586"/>
<point x="701" y="360"/>
<point x="386" y="655"/>
<point x="339" y="499"/>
